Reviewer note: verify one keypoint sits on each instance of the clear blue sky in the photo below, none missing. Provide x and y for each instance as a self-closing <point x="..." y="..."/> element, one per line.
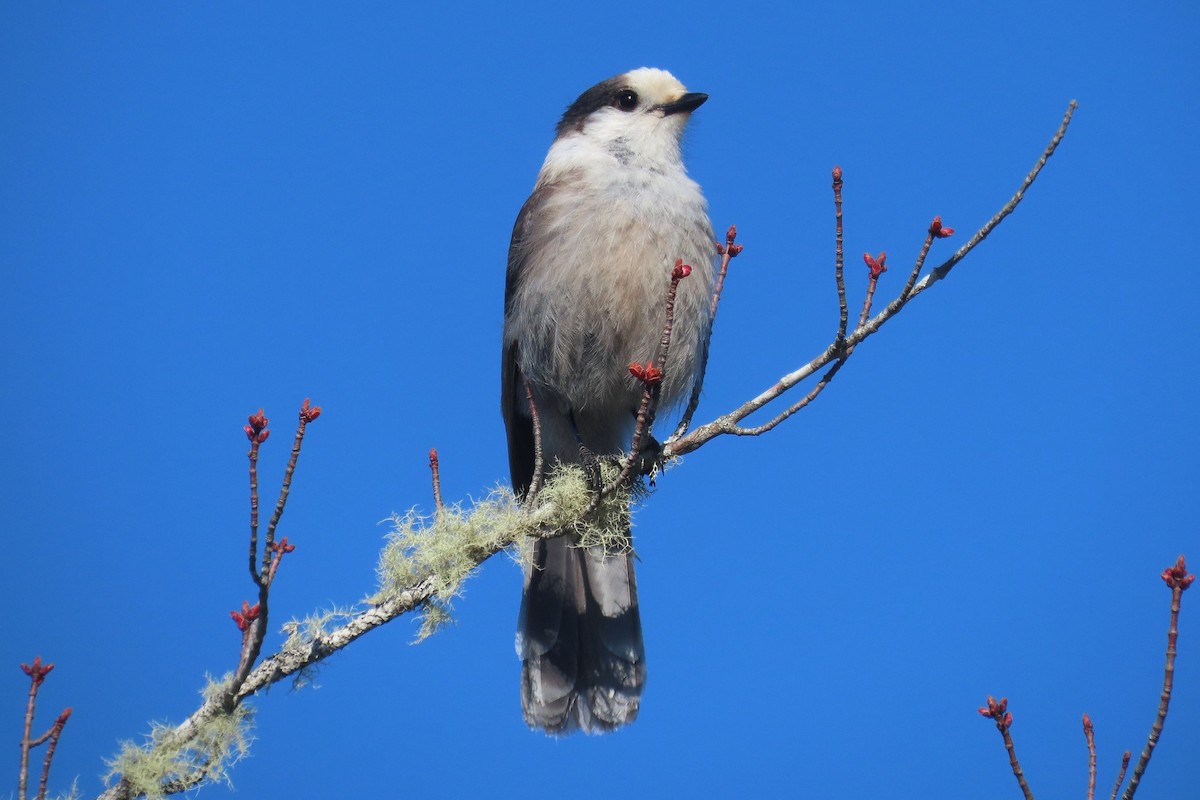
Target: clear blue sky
<point x="210" y="207"/>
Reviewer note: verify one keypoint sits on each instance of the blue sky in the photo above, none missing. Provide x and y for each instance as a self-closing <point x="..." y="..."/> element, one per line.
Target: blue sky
<point x="208" y="208"/>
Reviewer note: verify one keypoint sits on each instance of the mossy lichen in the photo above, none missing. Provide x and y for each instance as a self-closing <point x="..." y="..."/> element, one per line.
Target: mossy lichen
<point x="216" y="743"/>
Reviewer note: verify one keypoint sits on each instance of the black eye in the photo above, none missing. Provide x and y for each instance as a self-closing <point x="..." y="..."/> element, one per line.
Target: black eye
<point x="627" y="100"/>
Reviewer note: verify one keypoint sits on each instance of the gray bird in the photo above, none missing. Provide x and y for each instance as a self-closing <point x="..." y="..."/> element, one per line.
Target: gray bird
<point x="588" y="271"/>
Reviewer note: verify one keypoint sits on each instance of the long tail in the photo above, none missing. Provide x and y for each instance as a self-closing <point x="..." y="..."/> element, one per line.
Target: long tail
<point x="580" y="640"/>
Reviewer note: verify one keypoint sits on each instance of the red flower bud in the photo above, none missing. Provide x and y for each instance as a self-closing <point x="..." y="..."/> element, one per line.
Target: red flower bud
<point x="37" y="670"/>
<point x="875" y="264"/>
<point x="309" y="414"/>
<point x="681" y="270"/>
<point x="936" y="229"/>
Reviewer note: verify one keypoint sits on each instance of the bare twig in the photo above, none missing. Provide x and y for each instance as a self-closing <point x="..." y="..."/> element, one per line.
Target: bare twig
<point x="434" y="467"/>
<point x="1090" y="736"/>
<point x="252" y="620"/>
<point x="37" y="672"/>
<point x="876" y="266"/>
<point x="279" y="549"/>
<point x="729" y="423"/>
<point x="308" y="413"/>
<point x="936" y="231"/>
<point x="650" y="375"/>
<point x="728" y="252"/>
<point x="999" y="713"/>
<point x="1177" y="579"/>
<point x="1120" y="775"/>
<point x="838" y="258"/>
<point x="257" y="433"/>
<point x="53" y="735"/>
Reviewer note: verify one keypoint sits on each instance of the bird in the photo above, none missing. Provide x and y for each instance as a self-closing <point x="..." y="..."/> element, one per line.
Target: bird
<point x="589" y="267"/>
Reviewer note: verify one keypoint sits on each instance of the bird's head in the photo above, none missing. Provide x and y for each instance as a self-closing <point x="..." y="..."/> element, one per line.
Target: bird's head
<point x="638" y="115"/>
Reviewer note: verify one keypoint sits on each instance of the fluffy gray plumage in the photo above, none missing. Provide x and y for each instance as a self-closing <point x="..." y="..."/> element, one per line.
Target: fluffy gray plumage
<point x="588" y="271"/>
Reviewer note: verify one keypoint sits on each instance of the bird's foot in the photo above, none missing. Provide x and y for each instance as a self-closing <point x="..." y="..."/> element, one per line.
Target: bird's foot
<point x="649" y="459"/>
<point x="592" y="469"/>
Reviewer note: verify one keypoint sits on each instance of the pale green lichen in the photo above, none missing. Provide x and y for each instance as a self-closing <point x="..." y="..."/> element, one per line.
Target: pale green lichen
<point x="444" y="549"/>
<point x="72" y="793"/>
<point x="301" y="633"/>
<point x="447" y="547"/>
<point x="216" y="743"/>
<point x="435" y="615"/>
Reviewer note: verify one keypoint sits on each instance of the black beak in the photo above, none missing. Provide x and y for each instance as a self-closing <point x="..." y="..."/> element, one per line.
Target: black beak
<point x="685" y="105"/>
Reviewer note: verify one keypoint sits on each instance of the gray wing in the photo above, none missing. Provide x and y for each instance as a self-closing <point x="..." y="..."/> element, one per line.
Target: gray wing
<point x="512" y="388"/>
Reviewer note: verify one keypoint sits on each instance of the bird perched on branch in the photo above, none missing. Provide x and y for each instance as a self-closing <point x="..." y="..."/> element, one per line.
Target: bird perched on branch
<point x="588" y="272"/>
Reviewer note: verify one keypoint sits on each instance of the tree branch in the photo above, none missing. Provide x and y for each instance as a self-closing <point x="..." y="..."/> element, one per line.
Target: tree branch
<point x="729" y="423"/>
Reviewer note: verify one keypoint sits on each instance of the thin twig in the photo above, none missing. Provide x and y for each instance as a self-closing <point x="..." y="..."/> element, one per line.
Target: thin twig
<point x="916" y="270"/>
<point x="437" y="478"/>
<point x="866" y="309"/>
<point x="944" y="269"/>
<point x="876" y="266"/>
<point x="645" y="419"/>
<point x="838" y="258"/>
<point x="53" y="734"/>
<point x="798" y="405"/>
<point x="1015" y="764"/>
<point x="281" y="548"/>
<point x="257" y="433"/>
<point x="1120" y="776"/>
<point x="37" y="672"/>
<point x="997" y="711"/>
<point x="1177" y="579"/>
<point x="252" y="621"/>
<point x="728" y="252"/>
<point x="307" y="415"/>
<point x="650" y="375"/>
<point x="1089" y="734"/>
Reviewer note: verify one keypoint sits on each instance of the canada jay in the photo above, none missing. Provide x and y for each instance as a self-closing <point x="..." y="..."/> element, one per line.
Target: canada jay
<point x="588" y="271"/>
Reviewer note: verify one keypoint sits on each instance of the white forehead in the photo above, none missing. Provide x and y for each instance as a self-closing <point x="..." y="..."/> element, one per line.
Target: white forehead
<point x="656" y="84"/>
